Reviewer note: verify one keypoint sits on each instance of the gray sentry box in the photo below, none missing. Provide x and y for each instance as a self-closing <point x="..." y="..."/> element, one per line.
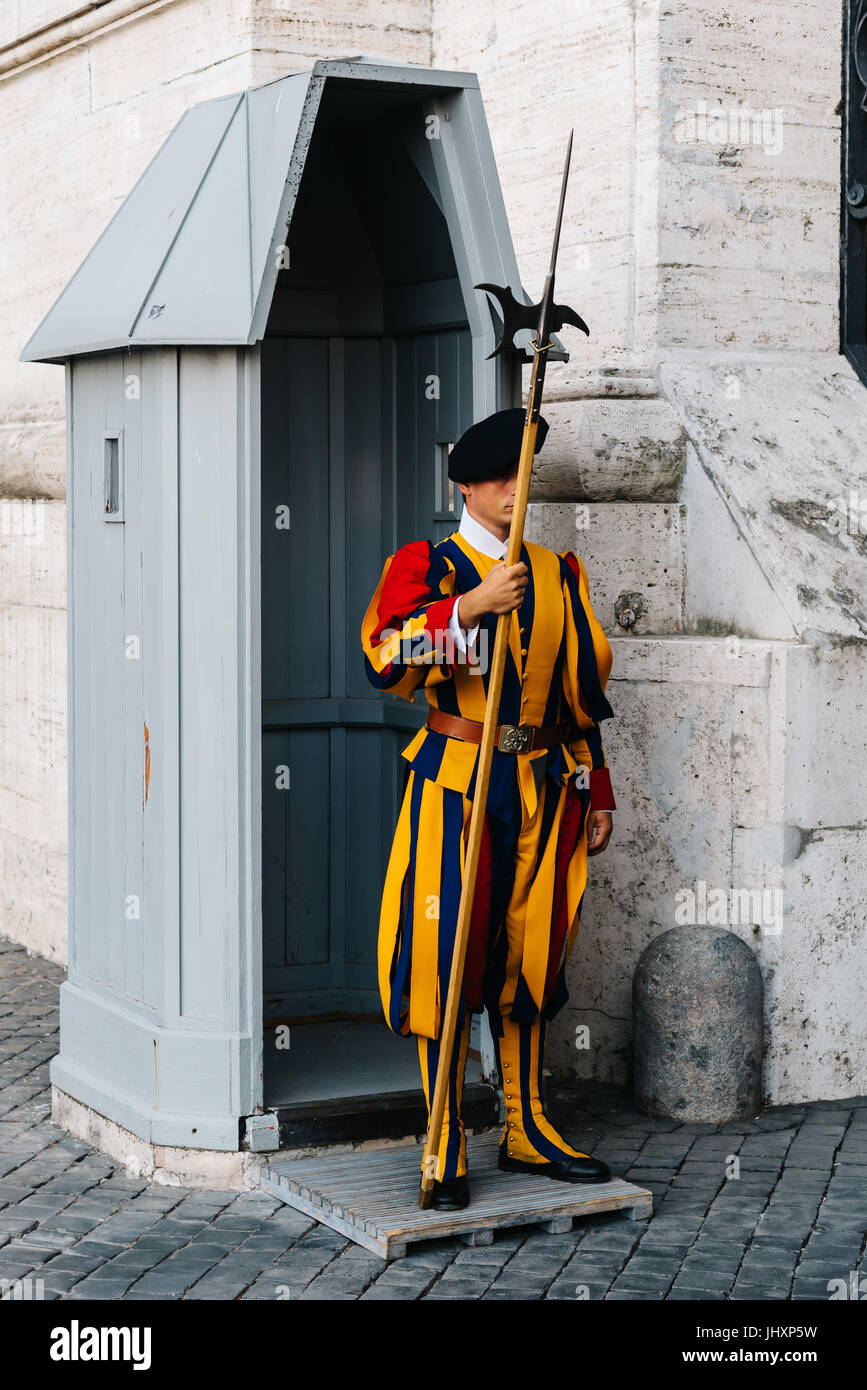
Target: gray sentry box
<point x="268" y="353"/>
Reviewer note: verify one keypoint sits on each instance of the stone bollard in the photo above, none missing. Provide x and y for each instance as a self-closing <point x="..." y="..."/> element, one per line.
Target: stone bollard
<point x="697" y="1018"/>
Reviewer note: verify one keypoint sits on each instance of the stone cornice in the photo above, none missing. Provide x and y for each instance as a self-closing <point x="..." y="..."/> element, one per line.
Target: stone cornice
<point x="84" y="23"/>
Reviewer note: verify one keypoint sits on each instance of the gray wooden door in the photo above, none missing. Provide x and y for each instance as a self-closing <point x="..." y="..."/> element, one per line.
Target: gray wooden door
<point x="355" y="433"/>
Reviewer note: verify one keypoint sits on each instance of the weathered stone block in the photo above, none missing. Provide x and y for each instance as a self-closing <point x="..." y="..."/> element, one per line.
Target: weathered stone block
<point x="698" y="1027"/>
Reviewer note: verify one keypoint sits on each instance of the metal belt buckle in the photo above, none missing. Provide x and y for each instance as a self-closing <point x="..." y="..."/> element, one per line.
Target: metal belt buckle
<point x="516" y="738"/>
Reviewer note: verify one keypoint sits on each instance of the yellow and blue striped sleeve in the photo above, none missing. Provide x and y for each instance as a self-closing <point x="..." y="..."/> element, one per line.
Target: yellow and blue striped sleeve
<point x="585" y="675"/>
<point x="405" y="631"/>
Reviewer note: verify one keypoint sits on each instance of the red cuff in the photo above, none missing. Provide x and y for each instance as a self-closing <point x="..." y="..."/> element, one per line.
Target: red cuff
<point x="601" y="791"/>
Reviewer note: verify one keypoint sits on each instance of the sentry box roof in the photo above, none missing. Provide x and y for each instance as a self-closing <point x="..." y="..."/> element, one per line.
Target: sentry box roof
<point x="193" y="253"/>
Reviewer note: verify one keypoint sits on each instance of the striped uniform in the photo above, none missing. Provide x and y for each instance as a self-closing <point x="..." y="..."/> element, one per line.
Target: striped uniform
<point x="533" y="864"/>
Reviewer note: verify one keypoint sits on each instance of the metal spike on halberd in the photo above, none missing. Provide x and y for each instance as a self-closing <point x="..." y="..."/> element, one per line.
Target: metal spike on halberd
<point x="546" y="316"/>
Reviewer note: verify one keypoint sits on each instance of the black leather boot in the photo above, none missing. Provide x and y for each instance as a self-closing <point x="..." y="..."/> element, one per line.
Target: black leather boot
<point x="452" y="1194"/>
<point x="584" y="1169"/>
<point x="520" y="1050"/>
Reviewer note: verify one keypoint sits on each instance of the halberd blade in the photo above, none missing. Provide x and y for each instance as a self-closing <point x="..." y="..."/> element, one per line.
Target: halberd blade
<point x="545" y="317"/>
<point x="561" y="313"/>
<point x="515" y="316"/>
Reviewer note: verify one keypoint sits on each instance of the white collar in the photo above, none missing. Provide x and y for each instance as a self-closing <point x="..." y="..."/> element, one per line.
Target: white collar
<point x="480" y="538"/>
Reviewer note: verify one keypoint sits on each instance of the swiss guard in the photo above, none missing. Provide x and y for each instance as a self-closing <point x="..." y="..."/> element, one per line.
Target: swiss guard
<point x="431" y="624"/>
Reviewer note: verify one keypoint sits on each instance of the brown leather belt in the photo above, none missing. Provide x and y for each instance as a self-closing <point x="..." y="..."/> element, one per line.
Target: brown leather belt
<point x="511" y="738"/>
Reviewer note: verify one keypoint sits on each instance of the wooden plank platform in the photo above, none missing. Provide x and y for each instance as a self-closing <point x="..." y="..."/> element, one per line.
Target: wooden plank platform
<point x="372" y="1197"/>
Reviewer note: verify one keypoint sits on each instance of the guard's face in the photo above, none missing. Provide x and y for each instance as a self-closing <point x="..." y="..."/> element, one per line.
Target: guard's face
<point x="492" y="501"/>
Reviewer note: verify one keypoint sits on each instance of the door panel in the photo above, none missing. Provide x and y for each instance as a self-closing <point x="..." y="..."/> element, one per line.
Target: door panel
<point x="354" y="434"/>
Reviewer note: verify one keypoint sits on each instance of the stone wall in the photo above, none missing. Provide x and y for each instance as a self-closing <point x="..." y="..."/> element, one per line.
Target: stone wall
<point x="703" y="250"/>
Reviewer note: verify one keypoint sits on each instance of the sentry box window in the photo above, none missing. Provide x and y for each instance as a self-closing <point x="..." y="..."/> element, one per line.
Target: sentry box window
<point x="447" y="492"/>
<point x="113" y="477"/>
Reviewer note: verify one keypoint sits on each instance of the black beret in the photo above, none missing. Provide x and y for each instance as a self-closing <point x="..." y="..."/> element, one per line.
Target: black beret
<point x="492" y="446"/>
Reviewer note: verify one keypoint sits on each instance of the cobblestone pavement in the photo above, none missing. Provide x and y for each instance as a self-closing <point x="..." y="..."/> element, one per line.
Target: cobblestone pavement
<point x="791" y="1221"/>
